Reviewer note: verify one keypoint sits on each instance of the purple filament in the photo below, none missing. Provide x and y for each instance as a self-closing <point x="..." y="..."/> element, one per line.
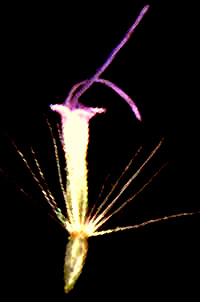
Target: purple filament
<point x="73" y="96"/>
<point x="111" y="57"/>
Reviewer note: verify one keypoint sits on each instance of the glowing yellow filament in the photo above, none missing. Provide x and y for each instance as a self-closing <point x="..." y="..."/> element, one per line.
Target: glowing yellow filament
<point x="75" y="133"/>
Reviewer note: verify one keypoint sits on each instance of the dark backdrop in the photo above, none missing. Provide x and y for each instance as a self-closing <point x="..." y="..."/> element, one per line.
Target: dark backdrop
<point x="46" y="49"/>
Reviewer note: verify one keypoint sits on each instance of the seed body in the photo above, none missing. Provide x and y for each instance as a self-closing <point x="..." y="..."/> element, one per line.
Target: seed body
<point x="75" y="256"/>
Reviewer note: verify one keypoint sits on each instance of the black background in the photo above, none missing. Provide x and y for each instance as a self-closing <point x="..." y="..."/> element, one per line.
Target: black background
<point x="45" y="51"/>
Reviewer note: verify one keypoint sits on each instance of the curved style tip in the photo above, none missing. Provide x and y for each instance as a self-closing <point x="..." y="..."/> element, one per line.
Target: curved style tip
<point x="72" y="101"/>
<point x="145" y="8"/>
